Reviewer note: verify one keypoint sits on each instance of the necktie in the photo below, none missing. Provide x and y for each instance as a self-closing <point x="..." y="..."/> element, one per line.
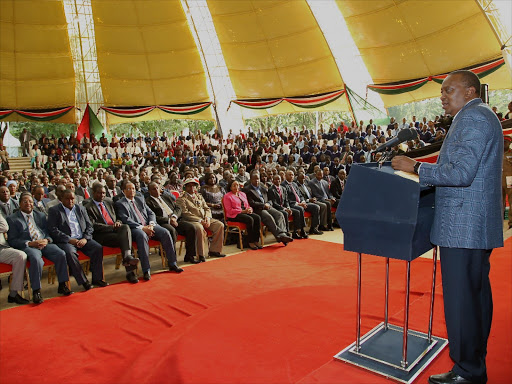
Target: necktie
<point x="105" y="214"/>
<point x="307" y="192"/>
<point x="164" y="205"/>
<point x="7" y="209"/>
<point x="114" y="192"/>
<point x="280" y="194"/>
<point x="31" y="229"/>
<point x="141" y="218"/>
<point x="295" y="193"/>
<point x="86" y="193"/>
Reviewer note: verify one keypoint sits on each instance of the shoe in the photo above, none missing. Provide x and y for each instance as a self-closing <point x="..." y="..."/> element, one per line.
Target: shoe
<point x="37" y="298"/>
<point x="330" y="228"/>
<point x="100" y="283"/>
<point x="322" y="228"/>
<point x="132" y="278"/>
<point x="285" y="239"/>
<point x="147" y="276"/>
<point x="253" y="247"/>
<point x="130" y="260"/>
<point x="315" y="232"/>
<point x="202" y="259"/>
<point x="64" y="290"/>
<point x="216" y="254"/>
<point x="259" y="246"/>
<point x="448" y="378"/>
<point x="17" y="299"/>
<point x="303" y="234"/>
<point x="296" y="236"/>
<point x="191" y="260"/>
<point x="175" y="268"/>
<point x="87" y="286"/>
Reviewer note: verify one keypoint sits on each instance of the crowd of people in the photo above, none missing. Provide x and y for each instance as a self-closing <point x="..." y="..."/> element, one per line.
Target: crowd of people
<point x="84" y="194"/>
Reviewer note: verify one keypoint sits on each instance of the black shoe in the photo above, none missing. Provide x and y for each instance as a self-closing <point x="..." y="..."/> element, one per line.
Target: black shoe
<point x="284" y="239"/>
<point x="303" y="234"/>
<point x="202" y="259"/>
<point x="132" y="278"/>
<point x="17" y="299"/>
<point x="100" y="283"/>
<point x="147" y="276"/>
<point x="322" y="228"/>
<point x="87" y="285"/>
<point x="216" y="254"/>
<point x="253" y="247"/>
<point x="64" y="290"/>
<point x="296" y="236"/>
<point x="191" y="260"/>
<point x="259" y="246"/>
<point x="175" y="268"/>
<point x="130" y="260"/>
<point x="37" y="298"/>
<point x="315" y="232"/>
<point x="330" y="228"/>
<point x="448" y="378"/>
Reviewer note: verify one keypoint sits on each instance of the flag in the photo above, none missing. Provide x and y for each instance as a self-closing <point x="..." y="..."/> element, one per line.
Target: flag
<point x="90" y="124"/>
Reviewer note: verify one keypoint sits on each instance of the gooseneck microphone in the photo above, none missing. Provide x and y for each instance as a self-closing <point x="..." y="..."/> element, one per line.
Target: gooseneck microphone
<point x="403" y="135"/>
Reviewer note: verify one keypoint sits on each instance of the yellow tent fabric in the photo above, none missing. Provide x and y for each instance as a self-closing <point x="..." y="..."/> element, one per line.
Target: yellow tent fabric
<point x="409" y="39"/>
<point x="274" y="49"/>
<point x="36" y="66"/>
<point x="147" y="55"/>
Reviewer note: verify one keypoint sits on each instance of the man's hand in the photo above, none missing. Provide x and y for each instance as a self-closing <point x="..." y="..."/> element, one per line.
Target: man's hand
<point x="206" y="222"/>
<point x="266" y="206"/>
<point x="117" y="224"/>
<point x="312" y="200"/>
<point x="81" y="243"/>
<point x="303" y="204"/>
<point x="288" y="211"/>
<point x="39" y="244"/>
<point x="148" y="229"/>
<point x="173" y="222"/>
<point x="73" y="242"/>
<point x="403" y="163"/>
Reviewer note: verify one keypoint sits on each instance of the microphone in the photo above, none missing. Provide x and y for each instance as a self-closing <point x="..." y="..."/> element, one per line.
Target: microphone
<point x="403" y="135"/>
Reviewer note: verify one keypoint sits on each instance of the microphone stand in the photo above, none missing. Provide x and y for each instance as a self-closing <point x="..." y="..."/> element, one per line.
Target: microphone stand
<point x="388" y="155"/>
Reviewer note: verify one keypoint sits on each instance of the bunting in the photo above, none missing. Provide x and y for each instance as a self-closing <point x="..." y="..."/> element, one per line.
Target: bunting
<point x="182" y="109"/>
<point x="37" y="115"/>
<point x="481" y="70"/>
<point x="314" y="101"/>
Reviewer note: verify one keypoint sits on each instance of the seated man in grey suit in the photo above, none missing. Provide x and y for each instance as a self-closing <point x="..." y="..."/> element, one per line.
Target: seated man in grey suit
<point x="17" y="259"/>
<point x="271" y="217"/>
<point x="28" y="233"/>
<point x="71" y="230"/>
<point x="135" y="212"/>
<point x="83" y="189"/>
<point x="109" y="231"/>
<point x="7" y="205"/>
<point x="320" y="189"/>
<point x="40" y="202"/>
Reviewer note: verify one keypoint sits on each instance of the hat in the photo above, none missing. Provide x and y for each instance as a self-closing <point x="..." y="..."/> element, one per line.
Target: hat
<point x="190" y="180"/>
<point x="11" y="182"/>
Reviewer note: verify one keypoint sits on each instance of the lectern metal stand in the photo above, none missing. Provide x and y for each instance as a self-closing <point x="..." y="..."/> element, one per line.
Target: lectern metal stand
<point x="393" y="222"/>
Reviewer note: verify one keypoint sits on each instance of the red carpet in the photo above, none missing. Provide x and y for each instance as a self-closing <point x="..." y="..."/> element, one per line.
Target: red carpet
<point x="272" y="316"/>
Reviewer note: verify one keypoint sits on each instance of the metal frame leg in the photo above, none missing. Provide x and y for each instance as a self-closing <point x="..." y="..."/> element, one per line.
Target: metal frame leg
<point x="432" y="294"/>
<point x="358" y="320"/>
<point x="387" y="295"/>
<point x="403" y="363"/>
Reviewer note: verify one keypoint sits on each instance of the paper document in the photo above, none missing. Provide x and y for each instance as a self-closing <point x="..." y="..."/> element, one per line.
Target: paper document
<point x="408" y="175"/>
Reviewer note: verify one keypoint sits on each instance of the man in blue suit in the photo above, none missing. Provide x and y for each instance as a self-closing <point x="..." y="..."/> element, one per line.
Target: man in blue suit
<point x="468" y="221"/>
<point x="71" y="230"/>
<point x="28" y="232"/>
<point x="133" y="210"/>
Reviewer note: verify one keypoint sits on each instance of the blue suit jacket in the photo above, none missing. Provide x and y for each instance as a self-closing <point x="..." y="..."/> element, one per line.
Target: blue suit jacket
<point x="467" y="176"/>
<point x="127" y="214"/>
<point x="58" y="223"/>
<point x="18" y="233"/>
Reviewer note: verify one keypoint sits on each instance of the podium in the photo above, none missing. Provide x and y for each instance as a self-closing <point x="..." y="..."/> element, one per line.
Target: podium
<point x="383" y="213"/>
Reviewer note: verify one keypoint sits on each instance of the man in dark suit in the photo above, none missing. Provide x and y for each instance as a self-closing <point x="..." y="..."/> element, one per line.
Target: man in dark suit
<point x="168" y="215"/>
<point x="71" y="230"/>
<point x="297" y="201"/>
<point x="7" y="204"/>
<point x="278" y="197"/>
<point x="112" y="190"/>
<point x="468" y="221"/>
<point x="325" y="219"/>
<point x="40" y="202"/>
<point x="109" y="231"/>
<point x="28" y="233"/>
<point x="135" y="212"/>
<point x="320" y="189"/>
<point x="83" y="189"/>
<point x="338" y="184"/>
<point x="271" y="217"/>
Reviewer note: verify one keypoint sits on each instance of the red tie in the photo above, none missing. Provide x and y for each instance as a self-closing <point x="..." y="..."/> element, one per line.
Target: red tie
<point x="114" y="192"/>
<point x="280" y="194"/>
<point x="142" y="221"/>
<point x="86" y="193"/>
<point x="295" y="193"/>
<point x="106" y="215"/>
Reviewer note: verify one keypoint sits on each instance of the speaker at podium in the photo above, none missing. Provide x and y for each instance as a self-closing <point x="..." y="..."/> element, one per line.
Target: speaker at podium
<point x="387" y="213"/>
